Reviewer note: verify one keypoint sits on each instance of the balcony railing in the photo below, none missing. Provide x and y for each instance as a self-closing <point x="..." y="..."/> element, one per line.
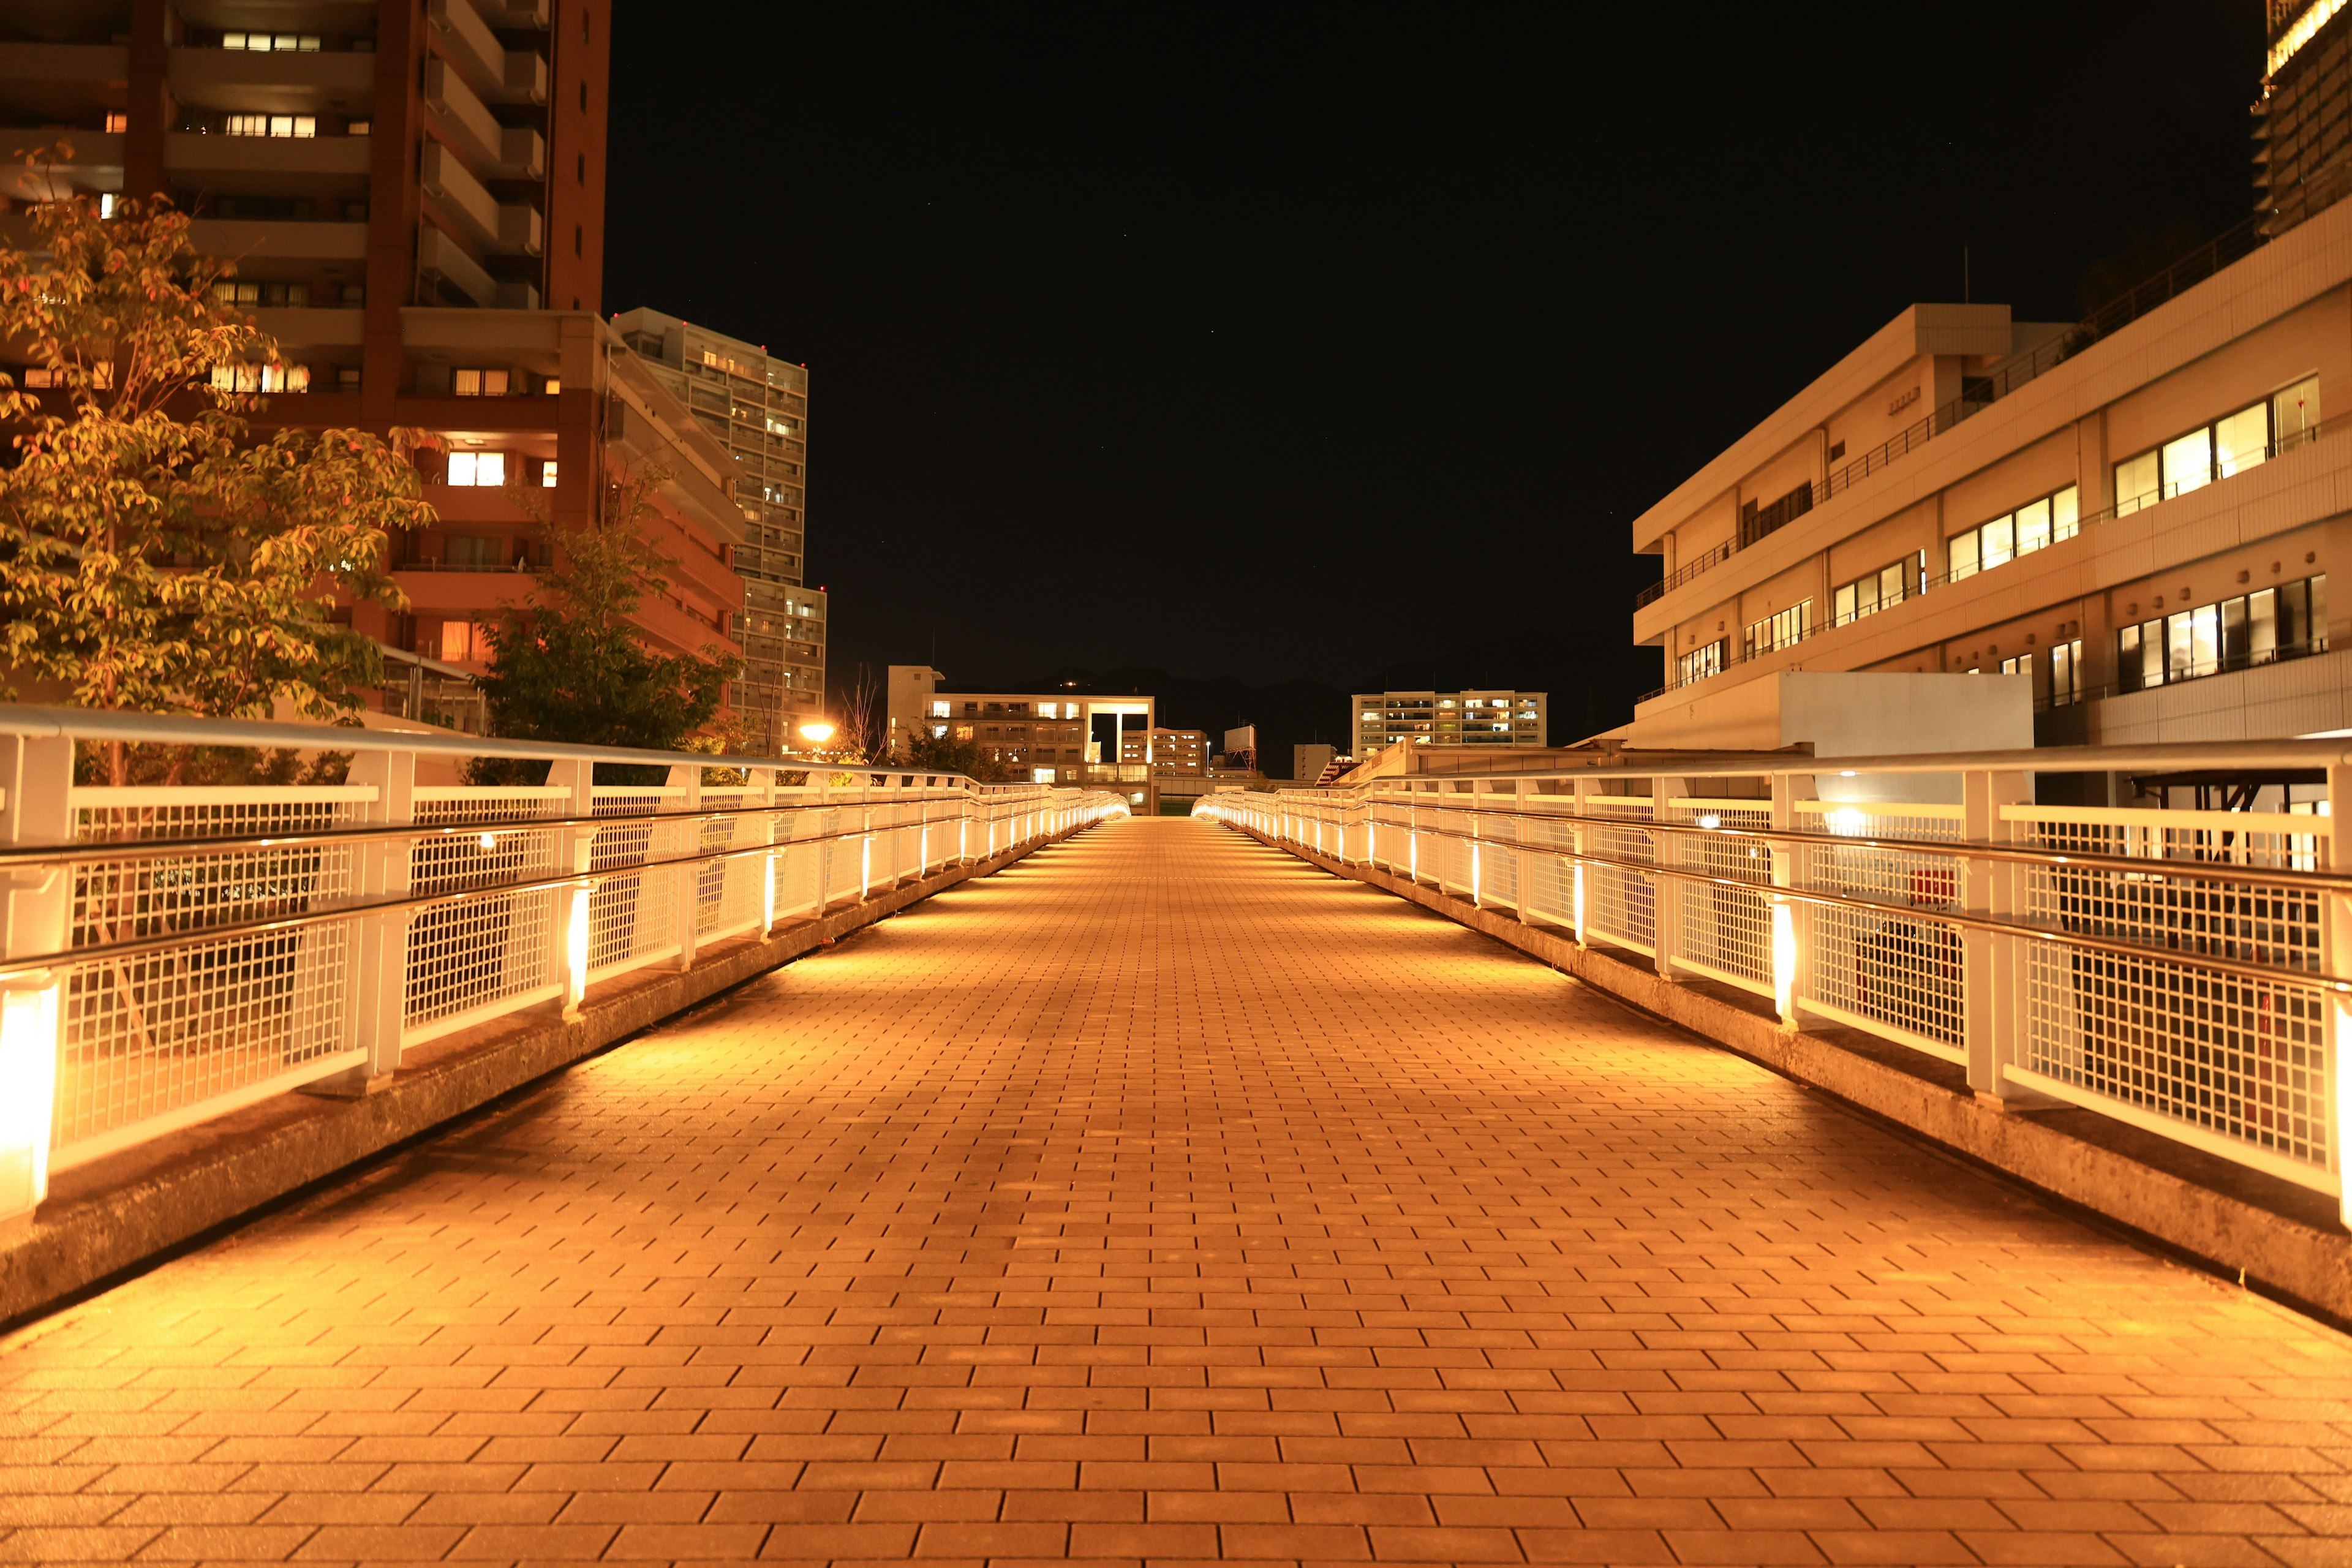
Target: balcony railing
<point x="2075" y="954"/>
<point x="174" y="953"/>
<point x="1978" y="392"/>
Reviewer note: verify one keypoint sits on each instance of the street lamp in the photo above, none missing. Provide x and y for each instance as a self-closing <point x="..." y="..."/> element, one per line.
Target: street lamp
<point x="816" y="731"/>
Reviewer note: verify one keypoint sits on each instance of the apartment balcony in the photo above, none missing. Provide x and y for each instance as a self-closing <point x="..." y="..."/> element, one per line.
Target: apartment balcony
<point x="508" y="228"/>
<point x="272" y="165"/>
<point x="340" y="81"/>
<point x="501" y="151"/>
<point x="95" y="164"/>
<point x="312" y="327"/>
<point x="263" y="240"/>
<point x="62" y="79"/>
<point x="496" y="73"/>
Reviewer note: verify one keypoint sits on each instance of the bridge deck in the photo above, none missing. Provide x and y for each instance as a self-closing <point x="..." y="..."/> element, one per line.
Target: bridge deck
<point x="1163" y="1198"/>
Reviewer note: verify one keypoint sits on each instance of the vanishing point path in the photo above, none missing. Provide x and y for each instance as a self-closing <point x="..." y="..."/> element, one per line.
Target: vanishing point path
<point x="1163" y="1198"/>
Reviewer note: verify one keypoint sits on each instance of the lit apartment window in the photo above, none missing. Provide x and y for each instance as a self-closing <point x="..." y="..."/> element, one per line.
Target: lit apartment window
<point x="480" y="383"/>
<point x="117" y="122"/>
<point x="463" y="640"/>
<point x="1786" y="629"/>
<point x="1699" y="664"/>
<point x="2022" y="665"/>
<point x="2031" y="527"/>
<point x="939" y="710"/>
<point x="270" y="296"/>
<point x="271" y="125"/>
<point x="107" y="203"/>
<point x="1881" y="590"/>
<point x="2229" y="446"/>
<point x="546" y="475"/>
<point x="2261" y="627"/>
<point x="2066" y="673"/>
<point x="552" y="386"/>
<point x="262" y="378"/>
<point x="272" y="43"/>
<point x="359" y="127"/>
<point x="477" y="468"/>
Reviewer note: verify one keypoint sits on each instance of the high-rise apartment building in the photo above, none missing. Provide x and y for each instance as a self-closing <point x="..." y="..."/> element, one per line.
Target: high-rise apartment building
<point x="755" y="405"/>
<point x="1497" y="718"/>
<point x="413" y="194"/>
<point x="2302" y="121"/>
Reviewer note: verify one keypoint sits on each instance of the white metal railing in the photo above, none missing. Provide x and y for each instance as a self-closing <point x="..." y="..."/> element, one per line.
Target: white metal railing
<point x="173" y="953"/>
<point x="2187" y="972"/>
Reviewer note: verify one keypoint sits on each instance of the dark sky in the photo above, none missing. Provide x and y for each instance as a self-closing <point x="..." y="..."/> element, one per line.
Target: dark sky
<point x="1301" y="341"/>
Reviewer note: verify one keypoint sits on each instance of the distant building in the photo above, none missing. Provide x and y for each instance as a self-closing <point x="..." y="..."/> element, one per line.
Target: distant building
<point x="2303" y="139"/>
<point x="756" y="406"/>
<point x="1048" y="737"/>
<point x="1497" y="718"/>
<point x="1181" y="754"/>
<point x="1308" y="763"/>
<point x="1240" y="748"/>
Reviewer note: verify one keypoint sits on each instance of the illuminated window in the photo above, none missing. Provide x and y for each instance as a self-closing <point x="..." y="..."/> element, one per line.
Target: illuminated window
<point x="2261" y="627"/>
<point x="297" y="125"/>
<point x="262" y="378"/>
<point x="107" y="203"/>
<point x="477" y="468"/>
<point x="1785" y="629"/>
<point x="2034" y="526"/>
<point x="463" y="641"/>
<point x="1881" y="590"/>
<point x="2294" y="414"/>
<point x="1700" y="664"/>
<point x="480" y="383"/>
<point x="552" y="386"/>
<point x="272" y="43"/>
<point x="265" y="296"/>
<point x="359" y="127"/>
<point x="2066" y="673"/>
<point x="546" y="475"/>
<point x="117" y="122"/>
<point x="2229" y="446"/>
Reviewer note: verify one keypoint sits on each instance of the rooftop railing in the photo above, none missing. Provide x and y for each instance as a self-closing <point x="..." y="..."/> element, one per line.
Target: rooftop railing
<point x="1978" y="392"/>
<point x="174" y="952"/>
<point x="2189" y="973"/>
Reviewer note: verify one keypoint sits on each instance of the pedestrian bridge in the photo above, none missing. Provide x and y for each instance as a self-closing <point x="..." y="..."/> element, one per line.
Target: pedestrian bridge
<point x="1159" y="1195"/>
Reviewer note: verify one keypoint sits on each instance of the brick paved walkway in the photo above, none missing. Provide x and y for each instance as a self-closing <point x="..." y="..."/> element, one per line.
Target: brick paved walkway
<point x="1163" y="1198"/>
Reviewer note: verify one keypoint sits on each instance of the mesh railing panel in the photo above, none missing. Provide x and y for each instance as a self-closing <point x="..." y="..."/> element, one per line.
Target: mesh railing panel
<point x="1621" y="906"/>
<point x="2242" y="1059"/>
<point x="1726" y="929"/>
<point x="150" y="1036"/>
<point x="470" y="955"/>
<point x="633" y="916"/>
<point x="727" y="893"/>
<point x="1906" y="972"/>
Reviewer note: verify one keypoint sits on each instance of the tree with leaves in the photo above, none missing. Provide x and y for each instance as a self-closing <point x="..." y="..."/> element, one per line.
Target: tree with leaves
<point x="939" y="754"/>
<point x="154" y="556"/>
<point x="568" y="665"/>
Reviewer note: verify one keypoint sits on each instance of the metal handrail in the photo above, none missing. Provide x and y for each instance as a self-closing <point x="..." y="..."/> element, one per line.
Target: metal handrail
<point x="232" y="930"/>
<point x="2272" y="973"/>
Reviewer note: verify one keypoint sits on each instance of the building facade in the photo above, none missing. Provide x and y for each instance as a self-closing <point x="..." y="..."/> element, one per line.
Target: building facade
<point x="2142" y="521"/>
<point x="1498" y="718"/>
<point x="755" y="405"/>
<point x="1170" y="753"/>
<point x="1049" y="737"/>
<point x="412" y="193"/>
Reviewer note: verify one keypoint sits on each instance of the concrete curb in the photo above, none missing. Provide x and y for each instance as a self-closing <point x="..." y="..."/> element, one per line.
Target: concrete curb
<point x="116" y="1213"/>
<point x="2284" y="1240"/>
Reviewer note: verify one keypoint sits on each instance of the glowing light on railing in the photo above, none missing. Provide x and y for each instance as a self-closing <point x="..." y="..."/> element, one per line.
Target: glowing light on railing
<point x="1474" y="875"/>
<point x="1580" y="902"/>
<point x="489" y="840"/>
<point x="1711" y="821"/>
<point x="1847" y="821"/>
<point x="29" y="1088"/>
<point x="1784" y="959"/>
<point x="2341" y="1020"/>
<point x="865" y="868"/>
<point x="576" y="945"/>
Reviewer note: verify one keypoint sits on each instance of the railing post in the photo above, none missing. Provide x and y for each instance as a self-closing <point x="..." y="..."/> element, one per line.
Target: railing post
<point x="688" y="839"/>
<point x="1522" y="862"/>
<point x="573" y="903"/>
<point x="35" y="807"/>
<point x="1666" y="894"/>
<point x="1579" y="792"/>
<point x="772" y="864"/>
<point x="1991" y="966"/>
<point x="379" y="978"/>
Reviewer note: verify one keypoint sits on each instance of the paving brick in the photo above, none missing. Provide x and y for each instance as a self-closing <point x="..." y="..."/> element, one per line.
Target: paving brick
<point x="1162" y="1199"/>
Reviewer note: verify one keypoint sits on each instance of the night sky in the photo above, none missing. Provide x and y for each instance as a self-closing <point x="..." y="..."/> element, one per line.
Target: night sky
<point x="1327" y="345"/>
